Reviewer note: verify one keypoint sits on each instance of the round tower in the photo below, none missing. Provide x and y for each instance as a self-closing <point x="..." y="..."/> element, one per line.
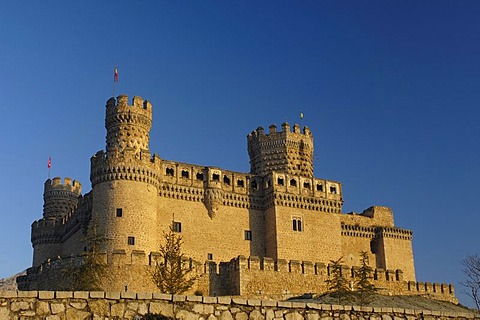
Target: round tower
<point x="125" y="180"/>
<point x="281" y="151"/>
<point x="59" y="199"/>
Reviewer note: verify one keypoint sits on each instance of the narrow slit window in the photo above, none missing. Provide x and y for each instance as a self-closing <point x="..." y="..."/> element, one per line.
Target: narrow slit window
<point x="177" y="227"/>
<point x="248" y="235"/>
<point x="119" y="212"/>
<point x="131" y="241"/>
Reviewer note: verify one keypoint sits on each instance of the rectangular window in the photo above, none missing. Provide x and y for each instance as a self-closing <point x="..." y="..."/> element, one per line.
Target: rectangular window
<point x="210" y="256"/>
<point x="131" y="241"/>
<point x="248" y="235"/>
<point x="177" y="227"/>
<point x="119" y="212"/>
<point x="297" y="224"/>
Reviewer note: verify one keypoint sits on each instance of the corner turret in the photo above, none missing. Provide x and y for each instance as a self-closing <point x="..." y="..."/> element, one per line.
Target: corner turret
<point x="284" y="151"/>
<point x="59" y="198"/>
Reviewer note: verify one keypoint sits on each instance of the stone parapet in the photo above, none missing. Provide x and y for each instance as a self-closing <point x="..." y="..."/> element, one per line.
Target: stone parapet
<point x="133" y="305"/>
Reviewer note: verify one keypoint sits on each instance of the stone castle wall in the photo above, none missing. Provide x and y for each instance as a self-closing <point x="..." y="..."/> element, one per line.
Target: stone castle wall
<point x="130" y="305"/>
<point x="277" y="211"/>
<point x="247" y="277"/>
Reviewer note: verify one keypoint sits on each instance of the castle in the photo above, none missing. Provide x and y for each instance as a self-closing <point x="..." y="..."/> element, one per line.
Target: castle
<point x="272" y="231"/>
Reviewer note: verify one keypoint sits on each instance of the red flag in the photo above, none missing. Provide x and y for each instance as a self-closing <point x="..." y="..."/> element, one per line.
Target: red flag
<point x="115" y="74"/>
<point x="49" y="162"/>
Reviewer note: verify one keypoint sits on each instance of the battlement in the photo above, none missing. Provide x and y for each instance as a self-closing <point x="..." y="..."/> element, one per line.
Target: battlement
<point x="121" y="103"/>
<point x="262" y="276"/>
<point x="286" y="130"/>
<point x="122" y="166"/>
<point x="67" y="185"/>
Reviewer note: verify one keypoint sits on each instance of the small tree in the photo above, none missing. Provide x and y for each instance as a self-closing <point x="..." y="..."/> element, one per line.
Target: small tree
<point x="472" y="283"/>
<point x="89" y="272"/>
<point x="170" y="275"/>
<point x="337" y="283"/>
<point x="364" y="289"/>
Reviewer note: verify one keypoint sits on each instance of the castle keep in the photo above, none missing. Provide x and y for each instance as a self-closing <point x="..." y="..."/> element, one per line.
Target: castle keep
<point x="278" y="223"/>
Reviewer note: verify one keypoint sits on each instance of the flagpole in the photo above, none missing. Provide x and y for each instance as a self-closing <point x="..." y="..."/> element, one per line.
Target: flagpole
<point x="115" y="80"/>
<point x="49" y="164"/>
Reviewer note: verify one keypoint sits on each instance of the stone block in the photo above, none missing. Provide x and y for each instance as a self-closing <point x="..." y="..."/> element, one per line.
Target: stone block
<point x="320" y="268"/>
<point x="295" y="266"/>
<point x="179" y="298"/>
<point x="162" y="296"/>
<point x="42" y="308"/>
<point x="64" y="294"/>
<point x="119" y="257"/>
<point x="79" y="305"/>
<point x="284" y="304"/>
<point x="254" y="302"/>
<point x="46" y="294"/>
<point x="239" y="301"/>
<point x="314" y="306"/>
<point x="336" y="307"/>
<point x="224" y="300"/>
<point x="27" y="294"/>
<point x="269" y="303"/>
<point x="57" y="308"/>
<point x="326" y="307"/>
<point x="144" y="296"/>
<point x="139" y="257"/>
<point x="268" y="264"/>
<point x="19" y="305"/>
<point x="209" y="299"/>
<point x="299" y="305"/>
<point x="114" y="295"/>
<point x="308" y="267"/>
<point x="194" y="298"/>
<point x="128" y="295"/>
<point x="281" y="265"/>
<point x="8" y="294"/>
<point x="163" y="308"/>
<point x="77" y="314"/>
<point x="256" y="315"/>
<point x="254" y="263"/>
<point x="80" y="294"/>
<point x="97" y="294"/>
<point x="117" y="310"/>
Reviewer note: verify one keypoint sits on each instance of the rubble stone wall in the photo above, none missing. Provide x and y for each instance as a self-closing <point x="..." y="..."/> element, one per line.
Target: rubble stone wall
<point x="58" y="305"/>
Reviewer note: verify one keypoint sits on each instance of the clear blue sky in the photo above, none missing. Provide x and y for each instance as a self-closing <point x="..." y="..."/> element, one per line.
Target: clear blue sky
<point x="390" y="90"/>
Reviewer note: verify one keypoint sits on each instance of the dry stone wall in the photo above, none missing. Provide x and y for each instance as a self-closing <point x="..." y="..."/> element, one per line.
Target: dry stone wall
<point x="68" y="305"/>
